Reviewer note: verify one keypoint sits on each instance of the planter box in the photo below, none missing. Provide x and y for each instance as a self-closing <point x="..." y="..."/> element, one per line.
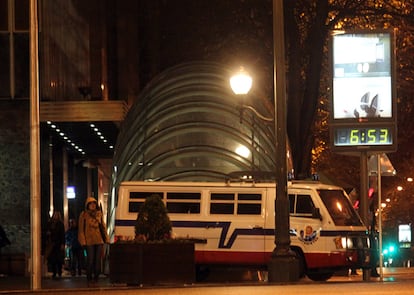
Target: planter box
<point x="152" y="263"/>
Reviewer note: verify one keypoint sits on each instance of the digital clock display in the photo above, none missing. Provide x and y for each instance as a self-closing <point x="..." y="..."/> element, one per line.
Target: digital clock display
<point x="363" y="136"/>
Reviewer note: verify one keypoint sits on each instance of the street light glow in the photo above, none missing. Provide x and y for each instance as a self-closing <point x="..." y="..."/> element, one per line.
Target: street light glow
<point x="241" y="83"/>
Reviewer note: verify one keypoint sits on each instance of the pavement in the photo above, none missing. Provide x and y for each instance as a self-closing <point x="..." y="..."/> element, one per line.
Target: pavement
<point x="395" y="281"/>
<point x="23" y="283"/>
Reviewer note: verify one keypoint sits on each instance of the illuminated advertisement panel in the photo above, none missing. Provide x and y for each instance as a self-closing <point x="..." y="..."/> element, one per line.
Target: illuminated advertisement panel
<point x="363" y="107"/>
<point x="362" y="76"/>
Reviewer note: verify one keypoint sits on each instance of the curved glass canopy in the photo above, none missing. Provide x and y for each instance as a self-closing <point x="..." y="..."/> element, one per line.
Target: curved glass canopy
<point x="187" y="125"/>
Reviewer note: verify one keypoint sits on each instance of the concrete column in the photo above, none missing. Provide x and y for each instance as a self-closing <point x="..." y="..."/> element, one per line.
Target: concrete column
<point x="35" y="201"/>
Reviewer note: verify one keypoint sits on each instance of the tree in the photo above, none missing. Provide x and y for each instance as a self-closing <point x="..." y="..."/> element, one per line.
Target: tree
<point x="308" y="24"/>
<point x="375" y="15"/>
<point x="240" y="32"/>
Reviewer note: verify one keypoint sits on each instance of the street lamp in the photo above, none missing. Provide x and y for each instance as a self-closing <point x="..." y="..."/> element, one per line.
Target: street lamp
<point x="284" y="265"/>
<point x="241" y="83"/>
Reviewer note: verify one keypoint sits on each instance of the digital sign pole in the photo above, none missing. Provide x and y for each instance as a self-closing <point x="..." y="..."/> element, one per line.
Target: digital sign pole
<point x="363" y="115"/>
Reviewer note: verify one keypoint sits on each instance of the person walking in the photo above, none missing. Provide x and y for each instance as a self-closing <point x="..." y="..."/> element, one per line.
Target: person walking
<point x="92" y="235"/>
<point x="74" y="247"/>
<point x="55" y="243"/>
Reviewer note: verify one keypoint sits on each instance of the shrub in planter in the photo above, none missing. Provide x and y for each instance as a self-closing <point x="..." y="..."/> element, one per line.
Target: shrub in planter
<point x="153" y="257"/>
<point x="153" y="222"/>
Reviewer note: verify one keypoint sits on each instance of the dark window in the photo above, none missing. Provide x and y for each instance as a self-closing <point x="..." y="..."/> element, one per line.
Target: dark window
<point x="222" y="196"/>
<point x="143" y="195"/>
<point x="4" y="66"/>
<point x="254" y="209"/>
<point x="138" y="199"/>
<point x="21" y="14"/>
<point x="183" y="196"/>
<point x="14" y="43"/>
<point x="301" y="205"/>
<point x="135" y="206"/>
<point x="182" y="207"/>
<point x="292" y="199"/>
<point x="249" y="204"/>
<point x="22" y="66"/>
<point x="221" y="208"/>
<point x="340" y="208"/>
<point x="222" y="203"/>
<point x="4" y="17"/>
<point x="187" y="203"/>
<point x="304" y="204"/>
<point x="250" y="197"/>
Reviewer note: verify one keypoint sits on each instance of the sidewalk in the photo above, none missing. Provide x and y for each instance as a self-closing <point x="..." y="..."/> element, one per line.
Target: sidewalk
<point x="22" y="283"/>
<point x="77" y="284"/>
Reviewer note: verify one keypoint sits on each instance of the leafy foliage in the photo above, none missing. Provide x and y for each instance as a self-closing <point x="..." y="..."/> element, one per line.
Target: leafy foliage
<point x="153" y="222"/>
<point x="356" y="15"/>
<point x="308" y="24"/>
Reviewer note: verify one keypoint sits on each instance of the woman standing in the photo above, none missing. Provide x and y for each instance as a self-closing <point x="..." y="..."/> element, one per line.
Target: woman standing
<point x="92" y="235"/>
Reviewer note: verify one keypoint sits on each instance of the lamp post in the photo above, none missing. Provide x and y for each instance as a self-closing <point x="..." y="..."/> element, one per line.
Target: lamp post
<point x="241" y="83"/>
<point x="283" y="266"/>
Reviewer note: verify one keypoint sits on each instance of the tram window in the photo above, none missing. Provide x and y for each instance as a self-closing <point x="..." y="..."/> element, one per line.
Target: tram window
<point x="249" y="197"/>
<point x="134" y="207"/>
<point x="252" y="209"/>
<point x="292" y="200"/>
<point x="304" y="205"/>
<point x="183" y="207"/>
<point x="301" y="205"/>
<point x="187" y="203"/>
<point x="183" y="196"/>
<point x="249" y="204"/>
<point x="222" y="196"/>
<point x="222" y="203"/>
<point x="143" y="195"/>
<point x="221" y="208"/>
<point x="138" y="198"/>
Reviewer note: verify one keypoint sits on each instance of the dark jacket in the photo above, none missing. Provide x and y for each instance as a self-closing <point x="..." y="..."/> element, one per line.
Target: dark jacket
<point x="55" y="241"/>
<point x="72" y="238"/>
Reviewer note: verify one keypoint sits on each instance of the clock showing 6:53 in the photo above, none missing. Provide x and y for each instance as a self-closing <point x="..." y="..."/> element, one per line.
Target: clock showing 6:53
<point x="351" y="136"/>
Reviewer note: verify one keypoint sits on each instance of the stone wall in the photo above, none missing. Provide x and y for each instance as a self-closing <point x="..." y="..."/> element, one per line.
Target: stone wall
<point x="15" y="174"/>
